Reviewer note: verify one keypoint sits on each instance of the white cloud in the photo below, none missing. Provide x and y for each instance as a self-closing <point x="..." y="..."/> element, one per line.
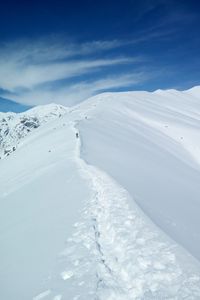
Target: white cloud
<point x="13" y="76"/>
<point x="29" y="69"/>
<point x="75" y="93"/>
<point x="49" y="49"/>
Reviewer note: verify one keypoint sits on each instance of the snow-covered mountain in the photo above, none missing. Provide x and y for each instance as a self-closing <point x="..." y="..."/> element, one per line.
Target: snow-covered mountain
<point x="14" y="127"/>
<point x="102" y="200"/>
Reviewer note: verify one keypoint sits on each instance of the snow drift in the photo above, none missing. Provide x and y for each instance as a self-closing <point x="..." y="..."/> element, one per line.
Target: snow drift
<point x="150" y="143"/>
<point x="112" y="214"/>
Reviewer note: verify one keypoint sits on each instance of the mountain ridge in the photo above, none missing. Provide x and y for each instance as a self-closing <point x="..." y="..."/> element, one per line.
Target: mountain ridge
<point x="101" y="200"/>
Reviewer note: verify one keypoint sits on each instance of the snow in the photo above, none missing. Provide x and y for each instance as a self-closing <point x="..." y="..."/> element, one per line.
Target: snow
<point x="112" y="214"/>
<point x="136" y="137"/>
<point x="14" y="127"/>
<point x="39" y="202"/>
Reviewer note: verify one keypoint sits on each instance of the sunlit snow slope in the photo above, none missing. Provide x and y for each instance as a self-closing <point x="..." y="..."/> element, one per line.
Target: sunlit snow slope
<point x="76" y="213"/>
<point x="150" y="143"/>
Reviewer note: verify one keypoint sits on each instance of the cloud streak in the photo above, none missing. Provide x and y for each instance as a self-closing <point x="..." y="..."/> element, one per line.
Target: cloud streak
<point x="74" y="93"/>
<point x="14" y="76"/>
<point x="30" y="72"/>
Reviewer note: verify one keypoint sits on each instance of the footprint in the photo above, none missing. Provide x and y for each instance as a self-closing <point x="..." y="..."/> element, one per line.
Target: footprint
<point x="58" y="297"/>
<point x="42" y="295"/>
<point x="66" y="275"/>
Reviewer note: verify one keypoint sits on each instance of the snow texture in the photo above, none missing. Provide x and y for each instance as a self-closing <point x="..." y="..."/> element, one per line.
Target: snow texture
<point x="117" y="253"/>
<point x="79" y="194"/>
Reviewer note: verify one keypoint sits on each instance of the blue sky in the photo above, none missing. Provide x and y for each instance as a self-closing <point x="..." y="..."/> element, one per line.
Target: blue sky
<point x="66" y="51"/>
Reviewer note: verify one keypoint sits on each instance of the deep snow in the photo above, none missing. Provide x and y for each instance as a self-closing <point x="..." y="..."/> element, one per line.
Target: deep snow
<point x="69" y="230"/>
<point x="150" y="143"/>
<point x="41" y="194"/>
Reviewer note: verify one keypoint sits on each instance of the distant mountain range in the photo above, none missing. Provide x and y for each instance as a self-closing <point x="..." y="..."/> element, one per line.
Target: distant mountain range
<point x="15" y="126"/>
<point x="11" y="106"/>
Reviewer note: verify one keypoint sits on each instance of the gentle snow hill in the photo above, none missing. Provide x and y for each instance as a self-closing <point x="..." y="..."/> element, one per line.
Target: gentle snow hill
<point x="41" y="195"/>
<point x="195" y="91"/>
<point x="76" y="213"/>
<point x="150" y="143"/>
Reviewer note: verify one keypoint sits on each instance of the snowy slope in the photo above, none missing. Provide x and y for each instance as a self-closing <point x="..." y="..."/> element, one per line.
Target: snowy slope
<point x="76" y="213"/>
<point x="39" y="203"/>
<point x="150" y="143"/>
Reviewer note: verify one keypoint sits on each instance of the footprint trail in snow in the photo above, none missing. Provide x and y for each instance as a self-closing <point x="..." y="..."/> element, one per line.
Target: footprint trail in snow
<point x="116" y="253"/>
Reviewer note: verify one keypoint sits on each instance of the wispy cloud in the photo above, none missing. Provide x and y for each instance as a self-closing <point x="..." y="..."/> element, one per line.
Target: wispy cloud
<point x="51" y="48"/>
<point x="73" y="93"/>
<point x="29" y="70"/>
<point x="13" y="76"/>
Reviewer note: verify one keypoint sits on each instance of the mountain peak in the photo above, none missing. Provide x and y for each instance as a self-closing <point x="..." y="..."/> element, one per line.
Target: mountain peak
<point x="15" y="126"/>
